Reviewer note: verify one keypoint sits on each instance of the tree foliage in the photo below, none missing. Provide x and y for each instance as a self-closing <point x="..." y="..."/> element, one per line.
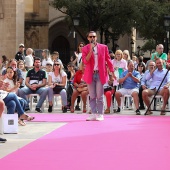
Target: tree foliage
<point x="118" y="16"/>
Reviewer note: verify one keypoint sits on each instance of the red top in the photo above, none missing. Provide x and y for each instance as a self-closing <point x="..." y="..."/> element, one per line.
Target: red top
<point x="78" y="77"/>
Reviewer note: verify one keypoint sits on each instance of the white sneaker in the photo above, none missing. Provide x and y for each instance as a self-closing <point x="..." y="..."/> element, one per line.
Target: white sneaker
<point x="99" y="117"/>
<point x="91" y="117"/>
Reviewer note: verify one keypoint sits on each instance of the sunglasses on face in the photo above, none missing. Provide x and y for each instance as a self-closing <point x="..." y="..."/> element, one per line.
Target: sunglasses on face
<point x="92" y="36"/>
<point x="81" y="46"/>
<point x="57" y="64"/>
<point x="48" y="64"/>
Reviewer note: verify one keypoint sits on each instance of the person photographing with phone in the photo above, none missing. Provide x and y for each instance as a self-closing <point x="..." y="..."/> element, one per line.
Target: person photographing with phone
<point x="95" y="56"/>
<point x="157" y="74"/>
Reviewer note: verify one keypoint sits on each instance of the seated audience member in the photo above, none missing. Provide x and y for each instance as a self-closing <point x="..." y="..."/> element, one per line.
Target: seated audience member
<point x="126" y="55"/>
<point x="57" y="81"/>
<point x="3" y="63"/>
<point x="21" y="66"/>
<point x="12" y="103"/>
<point x="35" y="84"/>
<point x="112" y="55"/>
<point x="157" y="75"/>
<point x="119" y="63"/>
<point x="29" y="60"/>
<point x="130" y="81"/>
<point x="71" y="71"/>
<point x="78" y="54"/>
<point x="145" y="84"/>
<point x="134" y="58"/>
<point x="46" y="58"/>
<point x="70" y="76"/>
<point x="139" y="60"/>
<point x="13" y="63"/>
<point x="159" y="54"/>
<point x="80" y="88"/>
<point x="49" y="68"/>
<point x="108" y="92"/>
<point x="55" y="56"/>
<point x="141" y="69"/>
<point x="20" y="54"/>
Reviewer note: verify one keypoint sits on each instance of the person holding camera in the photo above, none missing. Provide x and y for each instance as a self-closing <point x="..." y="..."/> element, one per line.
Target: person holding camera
<point x="35" y="84"/>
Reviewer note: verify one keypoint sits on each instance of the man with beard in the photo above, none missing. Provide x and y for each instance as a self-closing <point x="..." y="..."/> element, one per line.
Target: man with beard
<point x="35" y="84"/>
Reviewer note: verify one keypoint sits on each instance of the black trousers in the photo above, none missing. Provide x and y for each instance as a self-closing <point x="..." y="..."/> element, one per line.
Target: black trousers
<point x="140" y="97"/>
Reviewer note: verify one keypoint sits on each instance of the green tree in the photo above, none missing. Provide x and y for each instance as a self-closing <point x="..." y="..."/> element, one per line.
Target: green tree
<point x="117" y="17"/>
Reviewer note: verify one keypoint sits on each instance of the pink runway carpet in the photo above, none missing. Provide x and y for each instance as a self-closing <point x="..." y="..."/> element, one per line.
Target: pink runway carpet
<point x="117" y="143"/>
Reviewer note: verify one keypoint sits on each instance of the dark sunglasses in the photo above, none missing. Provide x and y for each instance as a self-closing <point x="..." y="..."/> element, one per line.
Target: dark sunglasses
<point x="56" y="64"/>
<point x="81" y="46"/>
<point x="92" y="36"/>
<point x="48" y="64"/>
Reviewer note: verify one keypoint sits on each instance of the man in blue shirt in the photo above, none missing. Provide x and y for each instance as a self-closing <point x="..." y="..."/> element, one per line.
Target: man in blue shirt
<point x="130" y="80"/>
<point x="145" y="84"/>
<point x="157" y="76"/>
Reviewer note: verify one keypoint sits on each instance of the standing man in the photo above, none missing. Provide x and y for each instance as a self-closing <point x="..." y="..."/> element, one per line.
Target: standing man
<point x="95" y="56"/>
<point x="20" y="54"/>
<point x="35" y="83"/>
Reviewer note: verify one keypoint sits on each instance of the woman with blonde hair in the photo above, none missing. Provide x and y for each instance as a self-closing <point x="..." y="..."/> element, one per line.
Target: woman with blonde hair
<point x="57" y="81"/>
<point x="46" y="58"/>
<point x="126" y="55"/>
<point x="119" y="63"/>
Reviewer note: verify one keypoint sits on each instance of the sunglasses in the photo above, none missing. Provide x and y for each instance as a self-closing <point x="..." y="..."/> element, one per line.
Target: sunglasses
<point x="48" y="64"/>
<point x="92" y="36"/>
<point x="56" y="64"/>
<point x="81" y="46"/>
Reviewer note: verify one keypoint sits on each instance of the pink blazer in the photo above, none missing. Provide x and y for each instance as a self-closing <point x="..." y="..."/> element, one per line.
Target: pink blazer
<point x="103" y="59"/>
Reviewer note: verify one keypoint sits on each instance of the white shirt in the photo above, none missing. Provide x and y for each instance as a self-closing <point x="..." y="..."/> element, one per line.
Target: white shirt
<point x="79" y="60"/>
<point x="29" y="61"/>
<point x="57" y="79"/>
<point x="44" y="61"/>
<point x="95" y="52"/>
<point x="11" y="84"/>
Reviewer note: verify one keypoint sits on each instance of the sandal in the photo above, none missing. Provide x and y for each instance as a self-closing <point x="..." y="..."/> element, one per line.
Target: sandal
<point x="21" y="122"/>
<point x="26" y="117"/>
<point x="149" y="112"/>
<point x="163" y="113"/>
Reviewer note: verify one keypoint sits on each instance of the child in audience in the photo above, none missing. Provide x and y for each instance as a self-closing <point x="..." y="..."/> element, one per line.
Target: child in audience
<point x="21" y="66"/>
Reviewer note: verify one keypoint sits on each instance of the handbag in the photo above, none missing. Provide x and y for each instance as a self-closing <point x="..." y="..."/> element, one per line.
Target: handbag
<point x="57" y="89"/>
<point x="80" y="89"/>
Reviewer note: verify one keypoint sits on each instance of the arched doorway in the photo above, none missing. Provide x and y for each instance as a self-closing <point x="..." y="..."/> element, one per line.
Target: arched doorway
<point x="61" y="45"/>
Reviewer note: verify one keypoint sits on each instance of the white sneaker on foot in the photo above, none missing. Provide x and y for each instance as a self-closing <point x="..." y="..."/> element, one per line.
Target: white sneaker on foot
<point x="91" y="117"/>
<point x="99" y="117"/>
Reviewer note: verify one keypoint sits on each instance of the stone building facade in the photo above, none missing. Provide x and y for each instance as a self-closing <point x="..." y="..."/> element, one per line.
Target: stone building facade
<point x="39" y="26"/>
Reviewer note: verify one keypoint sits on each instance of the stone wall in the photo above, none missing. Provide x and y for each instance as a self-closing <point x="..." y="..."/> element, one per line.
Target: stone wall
<point x="37" y="25"/>
<point x="11" y="27"/>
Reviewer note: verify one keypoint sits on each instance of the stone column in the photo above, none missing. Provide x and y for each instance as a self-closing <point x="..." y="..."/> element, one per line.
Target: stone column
<point x="11" y="27"/>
